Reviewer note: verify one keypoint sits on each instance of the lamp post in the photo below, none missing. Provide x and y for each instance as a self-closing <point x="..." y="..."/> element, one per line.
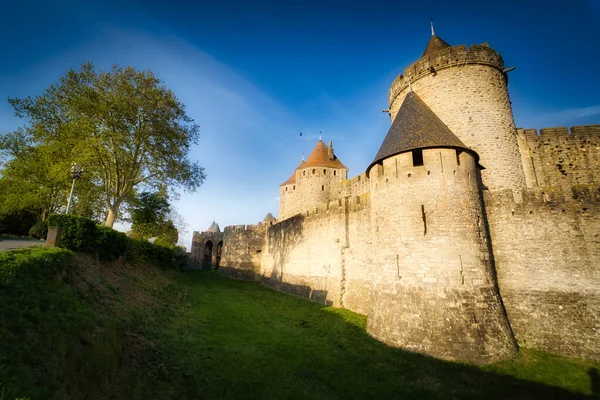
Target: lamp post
<point x="77" y="173"/>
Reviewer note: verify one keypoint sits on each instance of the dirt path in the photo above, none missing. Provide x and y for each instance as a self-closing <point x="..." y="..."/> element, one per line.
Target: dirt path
<point x="7" y="244"/>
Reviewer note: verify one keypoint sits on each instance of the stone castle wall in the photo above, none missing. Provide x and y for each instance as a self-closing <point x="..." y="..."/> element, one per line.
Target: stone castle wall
<point x="308" y="254"/>
<point x="547" y="252"/>
<point x="303" y="254"/>
<point x="439" y="265"/>
<point x="242" y="252"/>
<point x="557" y="157"/>
<point x="467" y="91"/>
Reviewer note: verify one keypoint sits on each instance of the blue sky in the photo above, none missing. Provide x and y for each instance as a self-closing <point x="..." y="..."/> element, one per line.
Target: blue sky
<point x="255" y="74"/>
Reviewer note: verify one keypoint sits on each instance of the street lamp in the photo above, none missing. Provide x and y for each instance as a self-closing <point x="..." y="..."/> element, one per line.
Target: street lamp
<point x="77" y="173"/>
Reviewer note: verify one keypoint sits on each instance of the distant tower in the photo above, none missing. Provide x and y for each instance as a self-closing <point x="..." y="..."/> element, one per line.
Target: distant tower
<point x="467" y="90"/>
<point x="214" y="228"/>
<point x="288" y="195"/>
<point x="434" y="291"/>
<point x="315" y="181"/>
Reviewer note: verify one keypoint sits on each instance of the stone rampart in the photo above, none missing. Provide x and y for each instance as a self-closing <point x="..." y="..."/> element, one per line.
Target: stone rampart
<point x="241" y="255"/>
<point x="355" y="186"/>
<point x="546" y="253"/>
<point x="559" y="157"/>
<point x="309" y="254"/>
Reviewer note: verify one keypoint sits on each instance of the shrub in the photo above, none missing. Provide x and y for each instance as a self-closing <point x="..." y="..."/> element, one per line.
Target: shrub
<point x="77" y="233"/>
<point x="83" y="235"/>
<point x="39" y="230"/>
<point x="110" y="244"/>
<point x="36" y="261"/>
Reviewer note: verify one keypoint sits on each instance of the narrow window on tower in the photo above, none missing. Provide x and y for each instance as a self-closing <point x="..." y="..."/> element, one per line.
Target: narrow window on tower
<point x="322" y="187"/>
<point x="417" y="156"/>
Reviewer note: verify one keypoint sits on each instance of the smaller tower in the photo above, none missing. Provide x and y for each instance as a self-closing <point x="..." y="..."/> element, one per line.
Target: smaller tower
<point x="269" y="219"/>
<point x="316" y="180"/>
<point x="214" y="228"/>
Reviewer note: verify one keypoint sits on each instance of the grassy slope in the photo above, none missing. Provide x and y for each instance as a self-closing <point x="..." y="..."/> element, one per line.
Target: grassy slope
<point x="230" y="339"/>
<point x="135" y="332"/>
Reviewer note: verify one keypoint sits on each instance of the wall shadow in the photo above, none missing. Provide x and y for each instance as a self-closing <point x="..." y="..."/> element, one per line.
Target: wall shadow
<point x="326" y="353"/>
<point x="304" y="291"/>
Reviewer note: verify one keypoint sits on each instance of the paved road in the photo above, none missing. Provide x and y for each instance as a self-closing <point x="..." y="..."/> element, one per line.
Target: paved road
<point x="13" y="244"/>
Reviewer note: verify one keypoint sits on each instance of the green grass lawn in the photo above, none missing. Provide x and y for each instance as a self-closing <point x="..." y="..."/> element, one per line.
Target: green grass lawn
<point x="229" y="339"/>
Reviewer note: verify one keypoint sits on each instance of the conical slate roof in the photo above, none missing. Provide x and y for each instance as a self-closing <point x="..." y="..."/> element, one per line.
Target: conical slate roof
<point x="293" y="177"/>
<point x="320" y="158"/>
<point x="269" y="217"/>
<point x="416" y="127"/>
<point x="214" y="227"/>
<point x="435" y="43"/>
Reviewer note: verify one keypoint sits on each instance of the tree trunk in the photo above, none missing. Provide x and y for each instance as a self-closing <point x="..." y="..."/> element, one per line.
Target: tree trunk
<point x="111" y="217"/>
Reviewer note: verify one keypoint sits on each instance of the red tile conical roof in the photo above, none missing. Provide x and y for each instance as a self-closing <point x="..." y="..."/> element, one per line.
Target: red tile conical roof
<point x="320" y="158"/>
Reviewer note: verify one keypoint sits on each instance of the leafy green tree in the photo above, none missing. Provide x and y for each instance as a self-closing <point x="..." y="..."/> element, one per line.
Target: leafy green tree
<point x="168" y="235"/>
<point x="34" y="179"/>
<point x="124" y="126"/>
<point x="148" y="213"/>
<point x="150" y="216"/>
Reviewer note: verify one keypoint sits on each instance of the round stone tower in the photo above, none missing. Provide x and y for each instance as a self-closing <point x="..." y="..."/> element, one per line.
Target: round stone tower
<point x="467" y="90"/>
<point x="315" y="181"/>
<point x="434" y="290"/>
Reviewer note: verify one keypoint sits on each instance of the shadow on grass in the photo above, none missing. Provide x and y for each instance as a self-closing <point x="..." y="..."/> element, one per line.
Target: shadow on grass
<point x="235" y="339"/>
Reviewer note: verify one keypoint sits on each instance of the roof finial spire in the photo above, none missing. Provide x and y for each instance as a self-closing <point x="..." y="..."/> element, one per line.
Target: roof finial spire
<point x="431" y="22"/>
<point x="409" y="85"/>
<point x="302" y="157"/>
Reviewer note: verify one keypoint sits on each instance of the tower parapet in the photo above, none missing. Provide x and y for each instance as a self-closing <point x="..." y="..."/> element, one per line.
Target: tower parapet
<point x="467" y="90"/>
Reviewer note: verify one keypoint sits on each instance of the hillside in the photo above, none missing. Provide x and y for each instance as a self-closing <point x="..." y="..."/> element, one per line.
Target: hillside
<point x="82" y="329"/>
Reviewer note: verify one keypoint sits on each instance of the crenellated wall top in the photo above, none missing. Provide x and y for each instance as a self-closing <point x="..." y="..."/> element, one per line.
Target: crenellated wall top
<point x="445" y="58"/>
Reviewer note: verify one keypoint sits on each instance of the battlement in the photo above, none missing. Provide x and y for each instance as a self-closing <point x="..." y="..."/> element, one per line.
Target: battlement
<point x="206" y="234"/>
<point x="576" y="198"/>
<point x="242" y="228"/>
<point x="445" y="58"/>
<point x="356" y="186"/>
<point x="561" y="132"/>
<point x="560" y="156"/>
<point x="340" y="206"/>
<point x="454" y="165"/>
<point x="336" y="207"/>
